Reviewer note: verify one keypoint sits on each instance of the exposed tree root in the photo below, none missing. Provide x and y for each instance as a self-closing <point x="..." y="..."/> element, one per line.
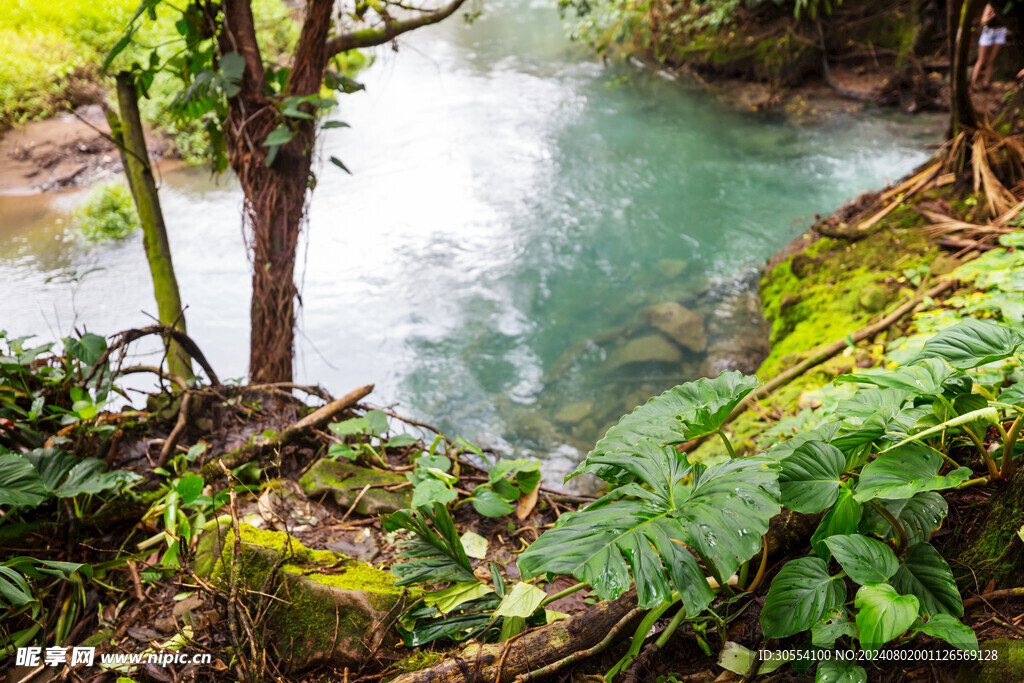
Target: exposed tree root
<point x="538" y="651"/>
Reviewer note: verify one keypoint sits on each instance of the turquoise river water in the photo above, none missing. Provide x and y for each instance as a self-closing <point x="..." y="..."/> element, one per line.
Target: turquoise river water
<point x="511" y="197"/>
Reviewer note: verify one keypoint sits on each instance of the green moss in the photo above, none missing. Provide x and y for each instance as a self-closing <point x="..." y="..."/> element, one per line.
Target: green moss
<point x="1007" y="666"/>
<point x="327" y="603"/>
<point x="416" y="662"/>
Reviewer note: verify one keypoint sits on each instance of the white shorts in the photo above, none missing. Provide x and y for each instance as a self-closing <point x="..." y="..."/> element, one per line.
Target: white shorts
<point x="992" y="36"/>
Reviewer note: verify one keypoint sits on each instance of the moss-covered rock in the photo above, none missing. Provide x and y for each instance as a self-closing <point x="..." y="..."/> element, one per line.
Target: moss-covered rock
<point x="326" y="608"/>
<point x="1007" y="666"/>
<point x="343" y="481"/>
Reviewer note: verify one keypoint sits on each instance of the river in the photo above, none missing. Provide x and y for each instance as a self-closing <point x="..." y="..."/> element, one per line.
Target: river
<point x="511" y="197"/>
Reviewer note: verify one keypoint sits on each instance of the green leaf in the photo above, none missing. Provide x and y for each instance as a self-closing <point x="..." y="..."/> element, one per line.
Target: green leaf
<point x="511" y="626"/>
<point x="281" y="135"/>
<point x="721" y="516"/>
<point x="335" y="124"/>
<point x="448" y="599"/>
<point x="340" y="450"/>
<point x="842" y="518"/>
<point x="799" y="597"/>
<point x="378" y="422"/>
<point x="435" y="554"/>
<point x="88" y="477"/>
<point x="736" y="658"/>
<point x="522" y="601"/>
<point x="840" y="671"/>
<point x="526" y="473"/>
<point x="809" y="480"/>
<point x="490" y="504"/>
<point x="400" y="441"/>
<point x="864" y="559"/>
<point x="920" y="516"/>
<point x="190" y="487"/>
<point x="436" y="462"/>
<point x="925" y="575"/>
<point x="949" y="629"/>
<point x="20" y="483"/>
<point x="971" y="343"/>
<point x="834" y="626"/>
<point x="905" y="471"/>
<point x="355" y="425"/>
<point x="925" y="378"/>
<point x="14" y="589"/>
<point x="337" y="162"/>
<point x="430" y="491"/>
<point x="88" y="349"/>
<point x="701" y="404"/>
<point x="883" y="614"/>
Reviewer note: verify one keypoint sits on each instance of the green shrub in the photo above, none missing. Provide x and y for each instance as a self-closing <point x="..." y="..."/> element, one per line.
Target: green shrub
<point x="107" y="213"/>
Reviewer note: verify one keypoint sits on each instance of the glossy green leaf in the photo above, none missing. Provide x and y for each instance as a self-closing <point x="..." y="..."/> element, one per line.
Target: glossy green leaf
<point x="842" y="518"/>
<point x="949" y="629"/>
<point x="925" y="575"/>
<point x="864" y="559"/>
<point x="883" y="614"/>
<point x="905" y="471"/>
<point x="840" y="671"/>
<point x="920" y="516"/>
<point x="722" y="517"/>
<point x="972" y="342"/>
<point x="20" y="483"/>
<point x="799" y="597"/>
<point x="430" y="491"/>
<point x="809" y="479"/>
<point x="925" y="378"/>
<point x="279" y="136"/>
<point x="489" y="504"/>
<point x="702" y="404"/>
<point x="189" y="487"/>
<point x="834" y="626"/>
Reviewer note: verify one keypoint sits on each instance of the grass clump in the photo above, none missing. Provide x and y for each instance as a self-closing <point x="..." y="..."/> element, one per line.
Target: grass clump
<point x="108" y="213"/>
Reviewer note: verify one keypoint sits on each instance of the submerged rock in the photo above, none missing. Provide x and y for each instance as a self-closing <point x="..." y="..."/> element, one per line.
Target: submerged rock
<point x="327" y="609"/>
<point x="344" y="481"/>
<point x="572" y="413"/>
<point x="680" y="324"/>
<point x="653" y="348"/>
<point x="671" y="268"/>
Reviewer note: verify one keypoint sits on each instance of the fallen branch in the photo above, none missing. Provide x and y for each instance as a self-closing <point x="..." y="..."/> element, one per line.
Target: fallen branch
<point x="836" y="347"/>
<point x="251" y="451"/>
<point x="994" y="595"/>
<point x="548" y="646"/>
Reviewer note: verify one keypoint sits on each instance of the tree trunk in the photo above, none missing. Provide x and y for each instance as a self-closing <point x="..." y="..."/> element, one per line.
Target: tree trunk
<point x="961" y="109"/>
<point x="994" y="552"/>
<point x="275" y="194"/>
<point x="502" y="662"/>
<point x="131" y="141"/>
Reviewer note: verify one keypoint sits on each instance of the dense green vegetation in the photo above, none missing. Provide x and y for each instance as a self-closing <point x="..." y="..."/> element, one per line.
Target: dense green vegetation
<point x="107" y="213"/>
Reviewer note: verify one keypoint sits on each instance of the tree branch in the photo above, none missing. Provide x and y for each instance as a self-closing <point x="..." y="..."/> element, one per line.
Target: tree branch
<point x="392" y="29"/>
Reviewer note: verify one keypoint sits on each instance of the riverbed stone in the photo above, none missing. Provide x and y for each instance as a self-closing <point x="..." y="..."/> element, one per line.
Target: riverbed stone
<point x="329" y="608"/>
<point x="653" y="348"/>
<point x="343" y="482"/>
<point x="681" y="324"/>
<point x="671" y="268"/>
<point x="572" y="413"/>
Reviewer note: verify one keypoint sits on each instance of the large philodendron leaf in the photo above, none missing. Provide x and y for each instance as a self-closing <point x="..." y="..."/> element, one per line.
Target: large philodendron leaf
<point x="721" y="516"/>
<point x="920" y="516"/>
<point x="925" y="378"/>
<point x="925" y="575"/>
<point x="864" y="559"/>
<point x="883" y="614"/>
<point x="904" y="472"/>
<point x="20" y="483"/>
<point x="800" y="596"/>
<point x="809" y="480"/>
<point x="971" y="343"/>
<point x="681" y="413"/>
<point x="842" y="518"/>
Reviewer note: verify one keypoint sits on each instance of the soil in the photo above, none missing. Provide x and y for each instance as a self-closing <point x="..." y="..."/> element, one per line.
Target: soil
<point x="68" y="151"/>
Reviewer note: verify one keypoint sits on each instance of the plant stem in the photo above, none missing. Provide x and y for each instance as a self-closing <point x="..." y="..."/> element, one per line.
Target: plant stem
<point x="639" y="636"/>
<point x="558" y="596"/>
<point x="744" y="570"/>
<point x="728" y="444"/>
<point x="1007" y="467"/>
<point x="979" y="481"/>
<point x="760" y="570"/>
<point x="893" y="522"/>
<point x="679" y="617"/>
<point x="993" y="471"/>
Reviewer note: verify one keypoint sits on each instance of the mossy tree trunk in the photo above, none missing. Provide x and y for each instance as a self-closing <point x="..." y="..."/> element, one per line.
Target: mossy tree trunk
<point x="996" y="553"/>
<point x="127" y="132"/>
